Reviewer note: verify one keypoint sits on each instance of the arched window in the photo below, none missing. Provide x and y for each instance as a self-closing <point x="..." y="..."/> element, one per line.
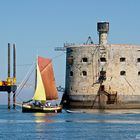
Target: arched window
<point x="122" y="73"/>
<point x="84" y="59"/>
<point x="122" y="59"/>
<point x="71" y="73"/>
<point x="84" y="73"/>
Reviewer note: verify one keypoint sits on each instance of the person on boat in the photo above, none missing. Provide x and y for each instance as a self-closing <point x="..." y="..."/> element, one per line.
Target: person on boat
<point x="37" y="103"/>
<point x="48" y="104"/>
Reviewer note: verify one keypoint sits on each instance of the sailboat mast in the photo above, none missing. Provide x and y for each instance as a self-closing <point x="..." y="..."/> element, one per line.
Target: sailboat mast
<point x="35" y="77"/>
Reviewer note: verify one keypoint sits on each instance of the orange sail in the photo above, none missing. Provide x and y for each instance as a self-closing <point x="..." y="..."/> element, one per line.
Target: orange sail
<point x="46" y="70"/>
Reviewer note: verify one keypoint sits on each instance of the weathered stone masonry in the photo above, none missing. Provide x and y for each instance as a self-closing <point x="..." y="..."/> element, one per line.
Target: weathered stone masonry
<point x="102" y="75"/>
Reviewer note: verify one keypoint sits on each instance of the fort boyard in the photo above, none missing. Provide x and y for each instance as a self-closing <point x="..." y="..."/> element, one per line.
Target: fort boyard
<point x="102" y="76"/>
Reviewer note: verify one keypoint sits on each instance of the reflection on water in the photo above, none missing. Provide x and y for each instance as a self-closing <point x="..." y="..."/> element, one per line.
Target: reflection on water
<point x="105" y="111"/>
<point x="69" y="120"/>
<point x="92" y="124"/>
<point x="106" y="121"/>
<point x="44" y="114"/>
<point x="43" y="117"/>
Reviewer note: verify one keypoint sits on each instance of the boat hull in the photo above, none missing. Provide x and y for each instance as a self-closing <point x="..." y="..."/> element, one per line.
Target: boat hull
<point x="51" y="109"/>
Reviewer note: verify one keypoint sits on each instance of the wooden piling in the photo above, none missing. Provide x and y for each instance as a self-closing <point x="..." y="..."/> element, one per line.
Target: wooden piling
<point x="14" y="75"/>
<point x="8" y="100"/>
<point x="14" y="61"/>
<point x="8" y="60"/>
<point x="8" y="74"/>
<point x="14" y="100"/>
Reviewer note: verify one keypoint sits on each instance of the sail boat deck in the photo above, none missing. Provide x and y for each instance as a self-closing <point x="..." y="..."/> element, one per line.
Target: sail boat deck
<point x="43" y="109"/>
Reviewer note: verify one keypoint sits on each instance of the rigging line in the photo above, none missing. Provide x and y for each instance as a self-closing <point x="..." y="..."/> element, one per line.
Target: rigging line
<point x="23" y="86"/>
<point x="20" y="65"/>
<point x="18" y="98"/>
<point x="58" y="55"/>
<point x="24" y="83"/>
<point x="25" y="80"/>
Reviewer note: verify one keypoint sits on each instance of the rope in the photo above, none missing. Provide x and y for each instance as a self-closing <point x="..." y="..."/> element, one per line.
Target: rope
<point x="18" y="104"/>
<point x="25" y="80"/>
<point x="58" y="55"/>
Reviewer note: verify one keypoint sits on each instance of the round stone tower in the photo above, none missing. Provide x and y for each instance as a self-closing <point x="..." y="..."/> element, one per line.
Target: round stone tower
<point x="81" y="74"/>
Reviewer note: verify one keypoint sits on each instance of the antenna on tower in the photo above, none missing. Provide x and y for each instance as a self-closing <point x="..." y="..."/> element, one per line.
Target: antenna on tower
<point x="89" y="40"/>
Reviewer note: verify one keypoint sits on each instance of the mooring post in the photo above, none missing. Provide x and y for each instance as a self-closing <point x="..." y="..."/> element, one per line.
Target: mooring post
<point x="8" y="79"/>
<point x="8" y="100"/>
<point x="14" y="75"/>
<point x="14" y="100"/>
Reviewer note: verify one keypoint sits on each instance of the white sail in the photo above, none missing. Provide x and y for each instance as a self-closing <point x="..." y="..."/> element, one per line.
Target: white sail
<point x="40" y="91"/>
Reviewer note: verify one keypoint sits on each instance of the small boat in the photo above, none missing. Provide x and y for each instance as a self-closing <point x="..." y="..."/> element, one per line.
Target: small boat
<point x="45" y="89"/>
<point x="74" y="111"/>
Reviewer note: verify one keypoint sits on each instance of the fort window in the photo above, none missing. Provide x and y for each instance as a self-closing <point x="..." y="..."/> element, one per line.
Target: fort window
<point x="84" y="73"/>
<point x="70" y="60"/>
<point x="138" y="73"/>
<point x="122" y="73"/>
<point x="122" y="59"/>
<point x="71" y="73"/>
<point x="103" y="59"/>
<point x="85" y="59"/>
<point x="138" y="59"/>
<point x="102" y="75"/>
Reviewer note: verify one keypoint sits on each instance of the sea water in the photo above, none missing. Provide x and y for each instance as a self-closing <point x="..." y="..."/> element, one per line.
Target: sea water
<point x="86" y="125"/>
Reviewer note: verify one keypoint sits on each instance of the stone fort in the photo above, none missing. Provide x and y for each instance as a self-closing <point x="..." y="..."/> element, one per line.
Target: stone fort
<point x="102" y="75"/>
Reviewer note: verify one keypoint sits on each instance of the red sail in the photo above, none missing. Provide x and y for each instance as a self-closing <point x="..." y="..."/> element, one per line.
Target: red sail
<point x="46" y="70"/>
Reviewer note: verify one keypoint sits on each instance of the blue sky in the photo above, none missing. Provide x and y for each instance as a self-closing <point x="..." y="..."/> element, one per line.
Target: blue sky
<point x="38" y="26"/>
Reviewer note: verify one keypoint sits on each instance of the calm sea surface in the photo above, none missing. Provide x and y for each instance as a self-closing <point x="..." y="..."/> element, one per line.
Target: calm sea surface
<point x="97" y="125"/>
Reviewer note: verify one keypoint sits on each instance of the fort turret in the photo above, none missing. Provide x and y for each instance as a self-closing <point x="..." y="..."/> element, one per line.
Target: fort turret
<point x="103" y="29"/>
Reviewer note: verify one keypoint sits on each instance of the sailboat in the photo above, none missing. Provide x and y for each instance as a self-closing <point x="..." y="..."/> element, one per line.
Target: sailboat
<point x="45" y="89"/>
